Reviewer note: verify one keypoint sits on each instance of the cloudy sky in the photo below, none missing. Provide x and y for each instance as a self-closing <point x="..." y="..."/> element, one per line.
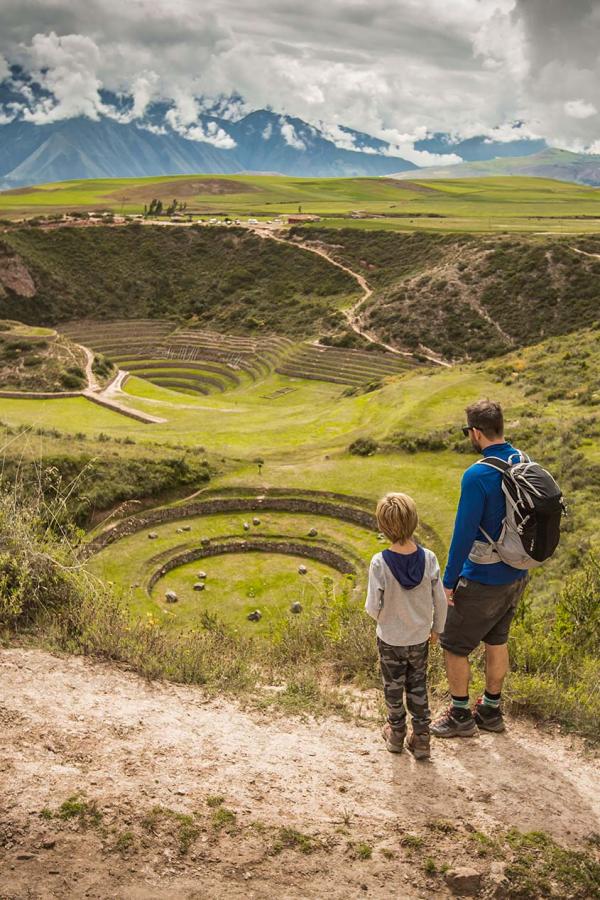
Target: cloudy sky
<point x="398" y="69"/>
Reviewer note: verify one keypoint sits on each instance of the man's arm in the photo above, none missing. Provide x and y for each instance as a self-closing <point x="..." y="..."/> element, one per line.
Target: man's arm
<point x="374" y="601"/>
<point x="466" y="526"/>
<point x="440" y="603"/>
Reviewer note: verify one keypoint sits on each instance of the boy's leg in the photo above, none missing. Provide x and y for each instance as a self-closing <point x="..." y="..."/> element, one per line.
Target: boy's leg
<point x="393" y="662"/>
<point x="416" y="687"/>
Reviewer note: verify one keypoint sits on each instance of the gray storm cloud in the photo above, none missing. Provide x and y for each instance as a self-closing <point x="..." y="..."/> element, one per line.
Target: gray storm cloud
<point x="395" y="68"/>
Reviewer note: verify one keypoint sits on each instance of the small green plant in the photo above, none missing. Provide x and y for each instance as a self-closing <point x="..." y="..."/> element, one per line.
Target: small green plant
<point x="429" y="866"/>
<point x="291" y="838"/>
<point x="387" y="853"/>
<point x="46" y="813"/>
<point x="223" y="819"/>
<point x="125" y="842"/>
<point x="361" y="850"/>
<point x="214" y="801"/>
<point x="411" y="841"/>
<point x="76" y="807"/>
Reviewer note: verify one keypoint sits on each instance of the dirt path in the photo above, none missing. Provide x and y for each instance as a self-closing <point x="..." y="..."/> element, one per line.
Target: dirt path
<point x="585" y="253"/>
<point x="351" y="313"/>
<point x="92" y="381"/>
<point x="70" y="726"/>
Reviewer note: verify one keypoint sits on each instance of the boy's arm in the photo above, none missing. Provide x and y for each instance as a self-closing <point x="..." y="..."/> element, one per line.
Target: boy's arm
<point x="374" y="601"/>
<point x="466" y="526"/>
<point x="440" y="604"/>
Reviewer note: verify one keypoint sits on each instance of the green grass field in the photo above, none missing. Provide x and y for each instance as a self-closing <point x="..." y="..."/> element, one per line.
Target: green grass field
<point x="511" y="203"/>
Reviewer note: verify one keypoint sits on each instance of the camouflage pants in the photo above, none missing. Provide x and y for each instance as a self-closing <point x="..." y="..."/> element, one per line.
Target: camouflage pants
<point x="404" y="670"/>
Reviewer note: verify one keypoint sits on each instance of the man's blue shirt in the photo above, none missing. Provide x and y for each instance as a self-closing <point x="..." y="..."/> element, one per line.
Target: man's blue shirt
<point x="482" y="504"/>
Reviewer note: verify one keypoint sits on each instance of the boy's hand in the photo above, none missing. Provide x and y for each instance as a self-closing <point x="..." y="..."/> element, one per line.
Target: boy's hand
<point x="449" y="592"/>
<point x="434" y="637"/>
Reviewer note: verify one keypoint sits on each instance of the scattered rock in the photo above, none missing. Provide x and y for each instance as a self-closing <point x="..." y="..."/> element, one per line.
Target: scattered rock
<point x="49" y="845"/>
<point x="178" y="530"/>
<point x="25" y="856"/>
<point x="381" y="537"/>
<point x="296" y="608"/>
<point x="201" y="574"/>
<point x="313" y="532"/>
<point x="153" y="535"/>
<point x="199" y="586"/>
<point x="186" y="527"/>
<point x="205" y="542"/>
<point x="463" y="881"/>
<point x="302" y="570"/>
<point x="246" y="526"/>
<point x="171" y="597"/>
<point x="256" y="520"/>
<point x="254" y="616"/>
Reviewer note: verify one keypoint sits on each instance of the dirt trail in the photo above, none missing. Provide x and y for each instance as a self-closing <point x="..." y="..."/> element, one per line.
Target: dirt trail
<point x="73" y="726"/>
<point x="585" y="252"/>
<point x="92" y="381"/>
<point x="350" y="313"/>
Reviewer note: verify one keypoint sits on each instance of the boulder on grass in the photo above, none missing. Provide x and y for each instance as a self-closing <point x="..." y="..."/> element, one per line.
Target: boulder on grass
<point x="302" y="570"/>
<point x="199" y="586"/>
<point x="153" y="535"/>
<point x="171" y="597"/>
<point x="296" y="608"/>
<point x="463" y="881"/>
<point x="246" y="526"/>
<point x="256" y="520"/>
<point x="254" y="616"/>
<point x="201" y="574"/>
<point x="204" y="542"/>
<point x="186" y="527"/>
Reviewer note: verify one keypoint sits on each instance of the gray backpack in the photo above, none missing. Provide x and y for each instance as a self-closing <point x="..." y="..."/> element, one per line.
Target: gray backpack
<point x="534" y="509"/>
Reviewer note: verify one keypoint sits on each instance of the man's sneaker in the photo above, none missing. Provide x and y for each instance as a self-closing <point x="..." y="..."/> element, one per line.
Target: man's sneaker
<point x="452" y="724"/>
<point x="418" y="744"/>
<point x="394" y="738"/>
<point x="488" y="718"/>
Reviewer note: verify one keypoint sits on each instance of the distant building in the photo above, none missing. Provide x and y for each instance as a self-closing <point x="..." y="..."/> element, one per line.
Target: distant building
<point x="300" y="218"/>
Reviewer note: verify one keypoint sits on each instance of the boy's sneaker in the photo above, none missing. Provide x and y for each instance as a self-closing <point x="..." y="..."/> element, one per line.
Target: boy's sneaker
<point x="454" y="723"/>
<point x="488" y="718"/>
<point x="419" y="745"/>
<point x="394" y="738"/>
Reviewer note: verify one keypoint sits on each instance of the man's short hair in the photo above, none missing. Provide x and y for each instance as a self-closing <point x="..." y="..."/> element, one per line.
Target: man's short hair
<point x="486" y="415"/>
<point x="397" y="517"/>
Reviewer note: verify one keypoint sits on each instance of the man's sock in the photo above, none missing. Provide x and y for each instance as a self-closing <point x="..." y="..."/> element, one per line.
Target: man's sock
<point x="460" y="706"/>
<point x="492" y="700"/>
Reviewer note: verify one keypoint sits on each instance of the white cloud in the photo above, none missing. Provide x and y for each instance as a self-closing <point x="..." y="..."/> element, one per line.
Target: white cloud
<point x="267" y="132"/>
<point x="396" y="69"/>
<point x="4" y="69"/>
<point x="579" y="109"/>
<point x="66" y="68"/>
<point x="288" y="133"/>
<point x="183" y="118"/>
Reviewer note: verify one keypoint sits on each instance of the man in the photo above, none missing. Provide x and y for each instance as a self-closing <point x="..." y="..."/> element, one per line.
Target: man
<point x="482" y="595"/>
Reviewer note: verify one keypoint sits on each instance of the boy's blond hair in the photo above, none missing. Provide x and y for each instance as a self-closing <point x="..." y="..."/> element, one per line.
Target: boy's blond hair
<point x="397" y="517"/>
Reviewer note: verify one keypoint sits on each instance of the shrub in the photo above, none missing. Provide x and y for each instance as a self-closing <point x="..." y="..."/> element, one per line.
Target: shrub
<point x="363" y="447"/>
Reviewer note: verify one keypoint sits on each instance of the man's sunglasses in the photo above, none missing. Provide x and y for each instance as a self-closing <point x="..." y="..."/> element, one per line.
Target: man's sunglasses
<point x="466" y="429"/>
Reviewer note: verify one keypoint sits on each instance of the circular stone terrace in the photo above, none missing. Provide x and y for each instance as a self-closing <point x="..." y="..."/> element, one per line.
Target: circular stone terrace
<point x="231" y="551"/>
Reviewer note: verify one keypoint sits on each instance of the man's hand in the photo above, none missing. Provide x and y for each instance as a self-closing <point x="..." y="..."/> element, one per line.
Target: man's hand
<point x="434" y="637"/>
<point x="449" y="592"/>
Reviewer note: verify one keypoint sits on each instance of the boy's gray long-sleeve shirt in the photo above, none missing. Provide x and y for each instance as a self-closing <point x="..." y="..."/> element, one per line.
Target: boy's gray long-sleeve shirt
<point x="406" y="617"/>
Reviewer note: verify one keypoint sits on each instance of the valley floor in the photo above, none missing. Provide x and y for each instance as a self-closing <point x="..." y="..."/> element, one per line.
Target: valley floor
<point x="180" y="795"/>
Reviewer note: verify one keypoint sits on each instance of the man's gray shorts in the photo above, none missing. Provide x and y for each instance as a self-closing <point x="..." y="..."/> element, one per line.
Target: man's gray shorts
<point x="481" y="612"/>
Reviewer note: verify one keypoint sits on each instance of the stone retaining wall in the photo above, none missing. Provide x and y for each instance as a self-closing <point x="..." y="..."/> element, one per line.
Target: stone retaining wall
<point x="137" y="523"/>
<point x="262" y="545"/>
<point x="32" y="395"/>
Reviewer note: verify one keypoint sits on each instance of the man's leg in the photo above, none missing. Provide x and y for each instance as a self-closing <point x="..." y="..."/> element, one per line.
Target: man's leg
<point x="496" y="667"/>
<point x="458" y="672"/>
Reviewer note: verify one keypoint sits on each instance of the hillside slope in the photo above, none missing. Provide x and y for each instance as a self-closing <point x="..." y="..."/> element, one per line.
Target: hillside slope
<point x="123" y="787"/>
<point x="465" y="296"/>
<point x="226" y="278"/>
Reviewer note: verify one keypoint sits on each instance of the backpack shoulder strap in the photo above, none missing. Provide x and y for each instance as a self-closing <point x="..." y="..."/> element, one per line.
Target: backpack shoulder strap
<point x="494" y="462"/>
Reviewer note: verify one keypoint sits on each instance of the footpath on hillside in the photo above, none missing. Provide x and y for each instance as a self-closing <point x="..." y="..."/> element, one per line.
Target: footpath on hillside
<point x="116" y="787"/>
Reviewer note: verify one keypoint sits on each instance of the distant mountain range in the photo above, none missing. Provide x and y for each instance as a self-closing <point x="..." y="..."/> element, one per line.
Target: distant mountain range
<point x="225" y="139"/>
<point x="582" y="168"/>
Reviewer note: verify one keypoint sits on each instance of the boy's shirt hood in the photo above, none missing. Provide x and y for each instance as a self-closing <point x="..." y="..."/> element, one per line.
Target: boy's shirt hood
<point x="407" y="568"/>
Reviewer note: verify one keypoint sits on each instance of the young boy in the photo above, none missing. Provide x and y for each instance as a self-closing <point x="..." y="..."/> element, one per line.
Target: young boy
<point x="406" y="597"/>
